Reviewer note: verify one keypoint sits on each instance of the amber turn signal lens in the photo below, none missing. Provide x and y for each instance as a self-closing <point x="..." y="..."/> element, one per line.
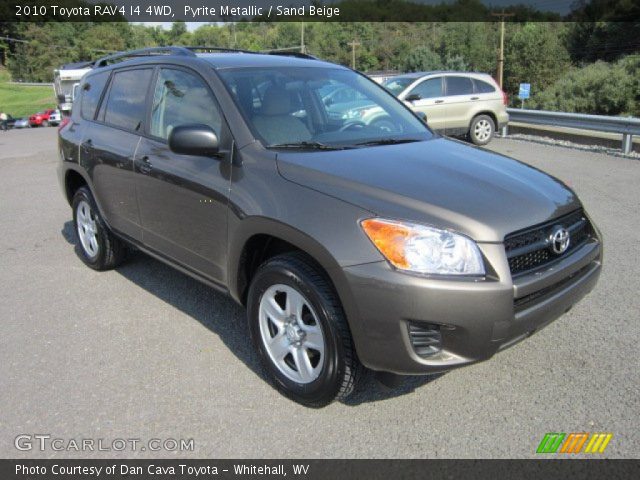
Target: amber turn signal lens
<point x="389" y="238"/>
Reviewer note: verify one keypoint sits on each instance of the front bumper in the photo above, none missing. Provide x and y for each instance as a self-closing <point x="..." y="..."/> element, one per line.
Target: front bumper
<point x="475" y="317"/>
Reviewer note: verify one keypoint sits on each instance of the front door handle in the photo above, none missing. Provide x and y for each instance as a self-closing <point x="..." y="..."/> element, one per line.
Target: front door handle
<point x="475" y="98"/>
<point x="145" y="165"/>
<point x="439" y="101"/>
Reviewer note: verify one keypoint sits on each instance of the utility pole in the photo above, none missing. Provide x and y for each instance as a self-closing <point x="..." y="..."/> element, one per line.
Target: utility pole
<point x="303" y="48"/>
<point x="501" y="53"/>
<point x="353" y="46"/>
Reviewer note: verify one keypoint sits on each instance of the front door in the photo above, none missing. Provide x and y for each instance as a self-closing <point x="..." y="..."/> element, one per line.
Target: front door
<point x="183" y="198"/>
<point x="429" y="99"/>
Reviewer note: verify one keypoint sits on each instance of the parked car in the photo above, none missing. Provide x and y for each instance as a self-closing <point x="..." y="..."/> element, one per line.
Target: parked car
<point x="55" y="118"/>
<point x="22" y="123"/>
<point x="455" y="103"/>
<point x="41" y="119"/>
<point x="350" y="245"/>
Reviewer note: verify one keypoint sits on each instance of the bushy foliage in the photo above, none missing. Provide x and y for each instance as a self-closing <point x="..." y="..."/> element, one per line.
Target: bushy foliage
<point x="421" y="59"/>
<point x="600" y="88"/>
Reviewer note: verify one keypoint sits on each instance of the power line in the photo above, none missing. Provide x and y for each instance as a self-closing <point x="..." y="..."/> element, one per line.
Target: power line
<point x="19" y="40"/>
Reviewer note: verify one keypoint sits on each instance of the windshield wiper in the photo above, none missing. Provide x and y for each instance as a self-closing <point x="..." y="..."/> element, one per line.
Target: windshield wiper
<point x="307" y="146"/>
<point x="387" y="141"/>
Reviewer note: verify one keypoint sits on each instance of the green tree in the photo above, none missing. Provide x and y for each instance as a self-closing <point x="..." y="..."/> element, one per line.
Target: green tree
<point x="421" y="59"/>
<point x="534" y="53"/>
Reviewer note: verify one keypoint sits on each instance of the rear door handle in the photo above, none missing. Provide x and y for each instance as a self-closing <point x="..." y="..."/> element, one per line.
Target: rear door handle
<point x="439" y="101"/>
<point x="145" y="165"/>
<point x="475" y="98"/>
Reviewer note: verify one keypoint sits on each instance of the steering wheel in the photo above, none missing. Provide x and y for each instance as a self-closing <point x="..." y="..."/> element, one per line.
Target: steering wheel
<point x="354" y="124"/>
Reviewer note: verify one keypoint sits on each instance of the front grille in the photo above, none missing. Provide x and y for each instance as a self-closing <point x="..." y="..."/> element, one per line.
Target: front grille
<point x="425" y="339"/>
<point x="531" y="248"/>
<point x="524" y="302"/>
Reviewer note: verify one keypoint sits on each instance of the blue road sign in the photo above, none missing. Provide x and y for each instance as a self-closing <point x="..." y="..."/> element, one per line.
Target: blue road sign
<point x="525" y="89"/>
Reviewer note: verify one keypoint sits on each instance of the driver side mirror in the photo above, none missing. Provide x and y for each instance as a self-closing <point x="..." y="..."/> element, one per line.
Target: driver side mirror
<point x="413" y="97"/>
<point x="194" y="139"/>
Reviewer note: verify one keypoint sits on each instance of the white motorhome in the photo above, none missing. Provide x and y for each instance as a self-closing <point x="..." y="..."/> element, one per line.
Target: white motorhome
<point x="66" y="80"/>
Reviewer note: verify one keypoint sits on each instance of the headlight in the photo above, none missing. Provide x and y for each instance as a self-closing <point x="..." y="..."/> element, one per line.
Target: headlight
<point x="422" y="249"/>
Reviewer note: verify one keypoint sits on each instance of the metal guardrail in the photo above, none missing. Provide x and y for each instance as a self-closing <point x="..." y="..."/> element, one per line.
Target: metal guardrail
<point x="626" y="126"/>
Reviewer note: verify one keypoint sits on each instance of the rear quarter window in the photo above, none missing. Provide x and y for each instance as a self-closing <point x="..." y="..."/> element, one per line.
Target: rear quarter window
<point x="91" y="93"/>
<point x="483" y="87"/>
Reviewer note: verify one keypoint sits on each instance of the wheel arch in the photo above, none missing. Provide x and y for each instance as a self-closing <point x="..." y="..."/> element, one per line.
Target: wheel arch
<point x="489" y="114"/>
<point x="261" y="238"/>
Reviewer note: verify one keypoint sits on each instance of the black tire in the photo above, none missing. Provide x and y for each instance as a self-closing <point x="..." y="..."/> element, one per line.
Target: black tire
<point x="482" y="129"/>
<point x="45" y="123"/>
<point x="341" y="368"/>
<point x="110" y="250"/>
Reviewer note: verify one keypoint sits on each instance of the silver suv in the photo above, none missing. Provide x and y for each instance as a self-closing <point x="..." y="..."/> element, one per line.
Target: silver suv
<point x="455" y="103"/>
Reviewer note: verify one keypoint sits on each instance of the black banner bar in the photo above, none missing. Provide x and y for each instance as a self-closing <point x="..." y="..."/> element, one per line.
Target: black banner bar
<point x="319" y="469"/>
<point x="317" y="10"/>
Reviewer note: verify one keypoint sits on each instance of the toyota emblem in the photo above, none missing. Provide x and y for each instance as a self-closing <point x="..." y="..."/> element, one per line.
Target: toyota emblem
<point x="560" y="240"/>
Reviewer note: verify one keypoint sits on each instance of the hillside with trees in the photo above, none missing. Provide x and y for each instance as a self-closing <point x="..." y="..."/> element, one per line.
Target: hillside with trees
<point x="581" y="66"/>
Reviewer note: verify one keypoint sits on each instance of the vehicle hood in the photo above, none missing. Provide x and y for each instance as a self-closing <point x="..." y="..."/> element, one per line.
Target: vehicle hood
<point x="439" y="182"/>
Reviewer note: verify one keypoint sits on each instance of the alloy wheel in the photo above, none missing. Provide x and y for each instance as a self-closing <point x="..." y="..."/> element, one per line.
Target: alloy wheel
<point x="291" y="333"/>
<point x="87" y="229"/>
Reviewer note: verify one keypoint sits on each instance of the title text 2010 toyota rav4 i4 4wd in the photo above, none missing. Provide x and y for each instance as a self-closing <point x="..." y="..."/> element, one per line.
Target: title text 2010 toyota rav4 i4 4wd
<point x="349" y="244"/>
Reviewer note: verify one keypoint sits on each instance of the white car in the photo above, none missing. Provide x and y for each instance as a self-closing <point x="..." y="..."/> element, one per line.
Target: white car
<point x="22" y="123"/>
<point x="55" y="118"/>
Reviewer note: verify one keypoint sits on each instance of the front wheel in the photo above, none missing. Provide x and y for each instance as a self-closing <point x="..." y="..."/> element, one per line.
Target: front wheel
<point x="482" y="129"/>
<point x="98" y="247"/>
<point x="300" y="331"/>
<point x="45" y="123"/>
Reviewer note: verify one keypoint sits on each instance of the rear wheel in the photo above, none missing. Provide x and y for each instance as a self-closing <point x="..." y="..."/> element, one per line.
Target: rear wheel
<point x="482" y="129"/>
<point x="98" y="247"/>
<point x="300" y="331"/>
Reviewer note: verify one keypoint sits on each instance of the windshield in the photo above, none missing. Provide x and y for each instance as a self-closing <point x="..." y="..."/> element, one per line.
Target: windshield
<point x="319" y="108"/>
<point x="398" y="84"/>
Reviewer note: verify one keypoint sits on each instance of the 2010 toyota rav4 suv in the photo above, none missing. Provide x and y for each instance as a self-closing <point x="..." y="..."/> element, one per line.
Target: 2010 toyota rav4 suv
<point x="351" y="245"/>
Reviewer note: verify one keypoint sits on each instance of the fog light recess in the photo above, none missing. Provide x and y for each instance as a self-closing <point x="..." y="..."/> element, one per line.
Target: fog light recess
<point x="425" y="338"/>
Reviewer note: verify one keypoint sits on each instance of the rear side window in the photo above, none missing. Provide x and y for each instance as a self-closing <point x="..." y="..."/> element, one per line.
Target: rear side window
<point x="182" y="98"/>
<point x="483" y="87"/>
<point x="459" y="86"/>
<point x="91" y="92"/>
<point x="126" y="104"/>
<point x="429" y="88"/>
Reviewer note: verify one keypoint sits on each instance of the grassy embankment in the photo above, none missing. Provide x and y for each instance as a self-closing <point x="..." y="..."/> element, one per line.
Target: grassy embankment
<point x="22" y="100"/>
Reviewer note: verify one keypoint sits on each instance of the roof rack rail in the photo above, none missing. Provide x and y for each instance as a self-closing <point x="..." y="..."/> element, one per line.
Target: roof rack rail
<point x="291" y="54"/>
<point x="218" y="49"/>
<point x="143" y="52"/>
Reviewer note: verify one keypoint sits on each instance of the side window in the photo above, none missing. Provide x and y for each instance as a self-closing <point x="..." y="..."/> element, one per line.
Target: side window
<point x="431" y="88"/>
<point x="126" y="103"/>
<point x="181" y="98"/>
<point x="91" y="92"/>
<point x="459" y="86"/>
<point x="483" y="87"/>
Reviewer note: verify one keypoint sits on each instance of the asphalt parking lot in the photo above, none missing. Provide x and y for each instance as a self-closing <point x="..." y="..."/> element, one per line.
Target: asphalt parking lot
<point x="146" y="352"/>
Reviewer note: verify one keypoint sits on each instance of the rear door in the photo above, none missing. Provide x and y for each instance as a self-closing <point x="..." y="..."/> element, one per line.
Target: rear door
<point x="110" y="143"/>
<point x="183" y="198"/>
<point x="430" y="102"/>
<point x="460" y="100"/>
